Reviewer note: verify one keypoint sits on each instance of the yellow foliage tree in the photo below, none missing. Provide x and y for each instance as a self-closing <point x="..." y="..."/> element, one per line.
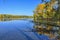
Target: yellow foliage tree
<point x="46" y="10"/>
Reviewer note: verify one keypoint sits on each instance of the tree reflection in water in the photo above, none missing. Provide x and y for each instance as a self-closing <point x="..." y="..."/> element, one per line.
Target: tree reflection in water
<point x="48" y="30"/>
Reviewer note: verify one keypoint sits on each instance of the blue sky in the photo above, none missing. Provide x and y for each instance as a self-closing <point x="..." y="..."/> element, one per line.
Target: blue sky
<point x="19" y="7"/>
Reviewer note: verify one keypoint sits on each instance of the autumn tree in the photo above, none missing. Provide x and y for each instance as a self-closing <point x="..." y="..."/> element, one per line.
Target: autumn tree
<point x="46" y="9"/>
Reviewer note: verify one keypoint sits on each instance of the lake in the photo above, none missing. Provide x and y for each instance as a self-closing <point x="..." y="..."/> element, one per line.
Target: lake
<point x="19" y="30"/>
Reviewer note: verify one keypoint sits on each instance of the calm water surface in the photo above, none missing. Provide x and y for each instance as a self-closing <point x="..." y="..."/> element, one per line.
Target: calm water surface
<point x="19" y="30"/>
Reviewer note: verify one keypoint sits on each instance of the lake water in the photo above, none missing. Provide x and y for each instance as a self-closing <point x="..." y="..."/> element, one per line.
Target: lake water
<point x="19" y="30"/>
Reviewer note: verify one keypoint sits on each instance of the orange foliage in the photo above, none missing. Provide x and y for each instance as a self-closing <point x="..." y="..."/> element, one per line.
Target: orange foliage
<point x="41" y="6"/>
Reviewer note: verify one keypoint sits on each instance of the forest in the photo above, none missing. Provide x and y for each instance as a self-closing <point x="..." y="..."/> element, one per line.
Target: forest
<point x="48" y="14"/>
